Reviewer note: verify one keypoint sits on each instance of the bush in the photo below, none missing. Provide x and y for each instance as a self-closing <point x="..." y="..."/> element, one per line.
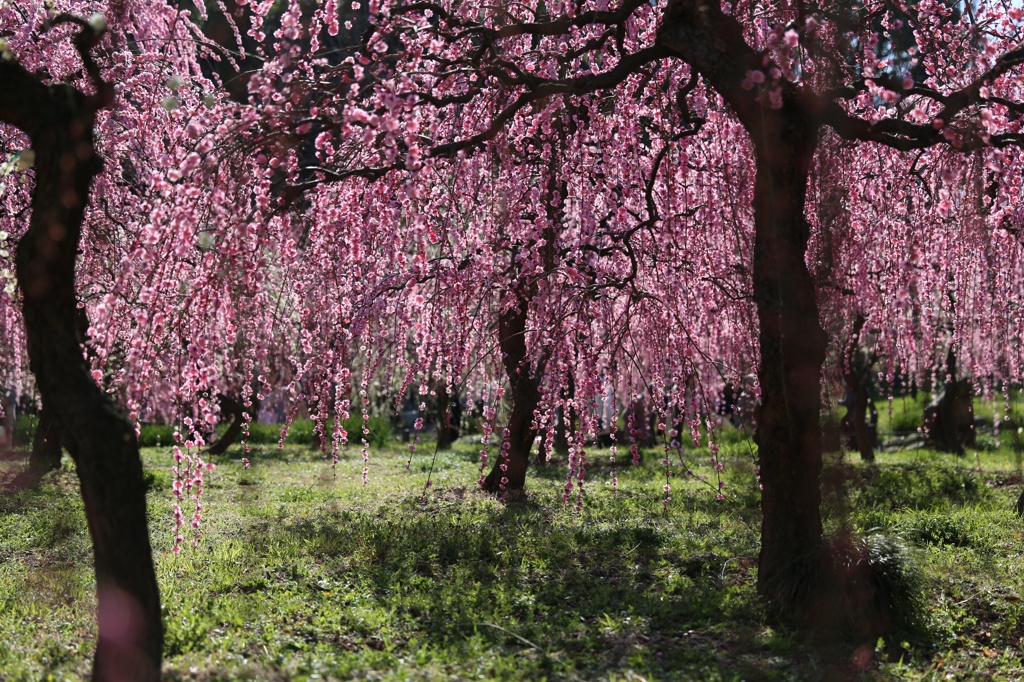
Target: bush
<point x="25" y="429"/>
<point x="870" y="587"/>
<point x="380" y="430"/>
<point x="152" y="435"/>
<point x="300" y="432"/>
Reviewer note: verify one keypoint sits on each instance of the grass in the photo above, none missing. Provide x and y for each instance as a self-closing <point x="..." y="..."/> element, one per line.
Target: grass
<point x="300" y="432"/>
<point x="905" y="413"/>
<point x="304" y="573"/>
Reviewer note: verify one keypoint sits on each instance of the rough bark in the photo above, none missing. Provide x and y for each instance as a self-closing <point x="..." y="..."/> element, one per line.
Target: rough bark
<point x="59" y="121"/>
<point x="509" y="470"/>
<point x="46" y="450"/>
<point x="791" y="339"/>
<point x="792" y="352"/>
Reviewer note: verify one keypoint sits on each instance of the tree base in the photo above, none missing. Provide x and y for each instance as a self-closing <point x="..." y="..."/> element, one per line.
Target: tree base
<point x="852" y="587"/>
<point x="514" y="475"/>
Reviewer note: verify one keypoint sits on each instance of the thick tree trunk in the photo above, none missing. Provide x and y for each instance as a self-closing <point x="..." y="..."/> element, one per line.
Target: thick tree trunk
<point x="792" y="352"/>
<point x="444" y="431"/>
<point x="516" y="459"/>
<point x="46" y="450"/>
<point x="509" y="471"/>
<point x="783" y="128"/>
<point x="949" y="419"/>
<point x="59" y="121"/>
<point x="449" y="414"/>
<point x="865" y="441"/>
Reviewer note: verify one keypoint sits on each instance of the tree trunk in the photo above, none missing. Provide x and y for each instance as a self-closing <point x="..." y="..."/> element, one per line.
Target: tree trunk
<point x="59" y="121"/>
<point x="509" y="471"/>
<point x="444" y="431"/>
<point x="855" y="375"/>
<point x="792" y="352"/>
<point x="949" y="419"/>
<point x="783" y="127"/>
<point x="449" y="416"/>
<point x="46" y="450"/>
<point x="865" y="442"/>
<point x="232" y="407"/>
<point x="566" y="422"/>
<point x="8" y="442"/>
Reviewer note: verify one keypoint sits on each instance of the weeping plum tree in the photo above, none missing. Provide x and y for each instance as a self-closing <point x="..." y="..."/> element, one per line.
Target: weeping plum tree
<point x="670" y="242"/>
<point x="438" y="80"/>
<point x="549" y="240"/>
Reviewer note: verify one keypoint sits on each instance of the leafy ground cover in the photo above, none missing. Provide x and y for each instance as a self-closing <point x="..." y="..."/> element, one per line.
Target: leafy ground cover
<point x="304" y="573"/>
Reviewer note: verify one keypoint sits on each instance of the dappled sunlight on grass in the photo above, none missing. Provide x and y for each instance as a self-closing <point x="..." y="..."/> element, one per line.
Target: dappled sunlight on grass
<point x="302" y="571"/>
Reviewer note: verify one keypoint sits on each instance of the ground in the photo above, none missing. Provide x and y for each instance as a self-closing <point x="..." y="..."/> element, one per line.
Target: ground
<point x="305" y="573"/>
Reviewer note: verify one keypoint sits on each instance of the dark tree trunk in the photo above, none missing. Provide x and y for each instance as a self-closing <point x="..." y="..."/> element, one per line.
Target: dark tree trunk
<point x="566" y="423"/>
<point x="8" y="442"/>
<point x="792" y="352"/>
<point x="861" y="430"/>
<point x="509" y="470"/>
<point x="855" y="374"/>
<point x="59" y="121"/>
<point x="46" y="450"/>
<point x="784" y="133"/>
<point x="232" y="407"/>
<point x="444" y="431"/>
<point x="448" y="416"/>
<point x="949" y="419"/>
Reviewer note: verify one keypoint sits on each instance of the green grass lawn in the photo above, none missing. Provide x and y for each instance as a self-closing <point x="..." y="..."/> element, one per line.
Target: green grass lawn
<point x="304" y="573"/>
<point x="904" y="414"/>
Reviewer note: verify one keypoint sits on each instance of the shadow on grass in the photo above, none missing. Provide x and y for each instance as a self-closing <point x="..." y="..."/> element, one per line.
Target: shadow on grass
<point x="572" y="597"/>
<point x="45" y="518"/>
<point x="564" y="588"/>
